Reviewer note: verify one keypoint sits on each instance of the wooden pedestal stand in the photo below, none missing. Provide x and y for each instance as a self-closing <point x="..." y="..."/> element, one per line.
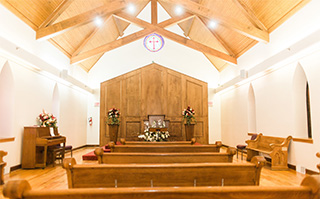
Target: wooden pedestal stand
<point x="113" y="133"/>
<point x="189" y="129"/>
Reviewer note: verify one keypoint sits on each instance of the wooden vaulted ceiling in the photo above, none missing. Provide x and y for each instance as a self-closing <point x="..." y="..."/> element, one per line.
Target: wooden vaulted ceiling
<point x="68" y="25"/>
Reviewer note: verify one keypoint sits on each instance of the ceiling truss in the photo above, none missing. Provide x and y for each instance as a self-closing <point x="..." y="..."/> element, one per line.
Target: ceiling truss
<point x="256" y="30"/>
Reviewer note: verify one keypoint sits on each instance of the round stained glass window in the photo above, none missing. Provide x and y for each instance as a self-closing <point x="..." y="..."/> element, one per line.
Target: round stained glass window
<point x="153" y="42"/>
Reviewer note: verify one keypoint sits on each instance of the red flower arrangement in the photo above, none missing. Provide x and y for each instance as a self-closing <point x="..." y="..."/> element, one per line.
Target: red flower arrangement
<point x="47" y="119"/>
<point x="113" y="116"/>
<point x="188" y="115"/>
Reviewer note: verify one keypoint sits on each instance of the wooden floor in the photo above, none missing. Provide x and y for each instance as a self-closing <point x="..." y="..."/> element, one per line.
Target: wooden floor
<point x="55" y="177"/>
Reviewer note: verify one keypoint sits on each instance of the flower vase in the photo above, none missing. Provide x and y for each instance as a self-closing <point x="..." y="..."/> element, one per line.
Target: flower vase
<point x="113" y="133"/>
<point x="189" y="129"/>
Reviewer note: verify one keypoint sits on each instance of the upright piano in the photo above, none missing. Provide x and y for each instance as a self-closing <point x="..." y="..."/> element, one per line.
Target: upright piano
<point x="36" y="141"/>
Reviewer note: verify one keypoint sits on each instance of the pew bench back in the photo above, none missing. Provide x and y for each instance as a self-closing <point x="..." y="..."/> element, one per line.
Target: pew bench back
<point x="158" y="158"/>
<point x="165" y="148"/>
<point x="2" y="165"/>
<point x="161" y="175"/>
<point x="125" y="142"/>
<point x="309" y="189"/>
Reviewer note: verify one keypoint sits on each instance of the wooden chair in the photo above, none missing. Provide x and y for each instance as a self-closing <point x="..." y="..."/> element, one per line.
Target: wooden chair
<point x="242" y="147"/>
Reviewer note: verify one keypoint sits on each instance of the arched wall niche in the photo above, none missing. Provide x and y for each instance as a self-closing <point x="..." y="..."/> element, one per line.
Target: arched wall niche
<point x="6" y="101"/>
<point x="252" y="124"/>
<point x="56" y="102"/>
<point x="302" y="128"/>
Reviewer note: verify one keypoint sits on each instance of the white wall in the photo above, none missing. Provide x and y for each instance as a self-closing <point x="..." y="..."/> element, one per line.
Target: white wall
<point x="274" y="91"/>
<point x="33" y="88"/>
<point x="228" y="116"/>
<point x="296" y="28"/>
<point x="275" y="115"/>
<point x="76" y="106"/>
<point x="94" y="112"/>
<point x="234" y="117"/>
<point x="33" y="92"/>
<point x="134" y="55"/>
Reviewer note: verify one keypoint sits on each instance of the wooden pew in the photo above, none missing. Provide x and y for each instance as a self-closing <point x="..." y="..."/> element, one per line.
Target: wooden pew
<point x="276" y="147"/>
<point x="318" y="165"/>
<point x="124" y="142"/>
<point x="2" y="165"/>
<point x="309" y="189"/>
<point x="165" y="148"/>
<point x="158" y="158"/>
<point x="160" y="175"/>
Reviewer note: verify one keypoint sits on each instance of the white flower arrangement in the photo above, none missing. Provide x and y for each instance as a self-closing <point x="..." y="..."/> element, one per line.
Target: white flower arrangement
<point x="157" y="136"/>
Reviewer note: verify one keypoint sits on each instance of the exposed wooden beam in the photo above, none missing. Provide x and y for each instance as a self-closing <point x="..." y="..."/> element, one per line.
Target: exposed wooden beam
<point x="291" y="12"/>
<point x="154" y="12"/>
<point x="175" y="20"/>
<point x="120" y="28"/>
<point x="250" y="15"/>
<point x="88" y="69"/>
<point x="196" y="46"/>
<point x="10" y="6"/>
<point x="144" y="24"/>
<point x="81" y="19"/>
<point x="198" y="9"/>
<point x="118" y="25"/>
<point x="110" y="46"/>
<point x="132" y="19"/>
<point x="205" y="22"/>
<point x="56" y="13"/>
<point x="188" y="28"/>
<point x="55" y="44"/>
<point x="178" y="38"/>
<point x="87" y="39"/>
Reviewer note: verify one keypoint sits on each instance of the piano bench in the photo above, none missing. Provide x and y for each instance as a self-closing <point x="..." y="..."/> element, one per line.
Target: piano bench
<point x="56" y="154"/>
<point x="67" y="148"/>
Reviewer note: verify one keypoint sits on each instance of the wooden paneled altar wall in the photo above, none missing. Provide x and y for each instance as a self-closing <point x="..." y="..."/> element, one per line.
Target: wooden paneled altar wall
<point x="154" y="90"/>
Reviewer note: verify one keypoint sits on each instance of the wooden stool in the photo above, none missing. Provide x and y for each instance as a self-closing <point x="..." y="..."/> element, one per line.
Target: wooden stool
<point x="241" y="147"/>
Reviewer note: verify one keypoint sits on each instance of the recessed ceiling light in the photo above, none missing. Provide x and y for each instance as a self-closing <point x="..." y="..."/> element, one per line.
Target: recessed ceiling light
<point x="212" y="24"/>
<point x="98" y="21"/>
<point x="131" y="8"/>
<point x="178" y="10"/>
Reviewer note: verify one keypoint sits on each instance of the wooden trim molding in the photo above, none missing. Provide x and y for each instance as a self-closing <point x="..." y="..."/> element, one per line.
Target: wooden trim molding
<point x="13" y="168"/>
<point x="304" y="140"/>
<point x="9" y="139"/>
